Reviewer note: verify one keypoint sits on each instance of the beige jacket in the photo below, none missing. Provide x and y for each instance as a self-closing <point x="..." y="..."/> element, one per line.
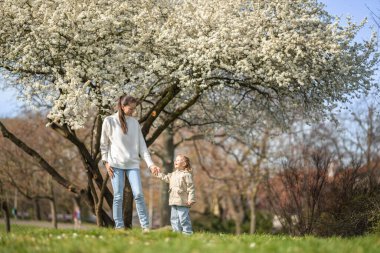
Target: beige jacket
<point x="181" y="187"/>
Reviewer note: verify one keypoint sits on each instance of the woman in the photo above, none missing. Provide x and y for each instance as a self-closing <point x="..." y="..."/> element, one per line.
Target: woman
<point x="121" y="145"/>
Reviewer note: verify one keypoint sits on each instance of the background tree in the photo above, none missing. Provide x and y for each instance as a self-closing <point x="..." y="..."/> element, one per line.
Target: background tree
<point x="237" y="168"/>
<point x="18" y="166"/>
<point x="326" y="186"/>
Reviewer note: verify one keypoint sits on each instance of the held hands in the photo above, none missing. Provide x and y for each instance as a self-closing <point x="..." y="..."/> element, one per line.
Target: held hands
<point x="155" y="169"/>
<point x="190" y="203"/>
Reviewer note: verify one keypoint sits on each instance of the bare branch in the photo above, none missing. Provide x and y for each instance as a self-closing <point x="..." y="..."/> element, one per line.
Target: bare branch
<point x="42" y="162"/>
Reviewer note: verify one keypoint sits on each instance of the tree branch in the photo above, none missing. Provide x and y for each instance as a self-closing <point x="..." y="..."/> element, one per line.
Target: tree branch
<point x="87" y="160"/>
<point x="41" y="161"/>
<point x="149" y="118"/>
<point x="194" y="138"/>
<point x="171" y="118"/>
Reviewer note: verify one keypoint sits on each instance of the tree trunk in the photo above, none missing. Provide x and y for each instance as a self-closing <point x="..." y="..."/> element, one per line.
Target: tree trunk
<point x="252" y="205"/>
<point x="105" y="218"/>
<point x="99" y="220"/>
<point x="37" y="209"/>
<point x="53" y="207"/>
<point x="370" y="139"/>
<point x="168" y="168"/>
<point x="215" y="205"/>
<point x="53" y="212"/>
<point x="238" y="225"/>
<point x="127" y="204"/>
<point x="15" y="204"/>
<point x="99" y="206"/>
<point x="237" y="213"/>
<point x="4" y="207"/>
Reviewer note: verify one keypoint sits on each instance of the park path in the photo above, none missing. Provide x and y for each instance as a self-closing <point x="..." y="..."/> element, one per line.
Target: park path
<point x="48" y="224"/>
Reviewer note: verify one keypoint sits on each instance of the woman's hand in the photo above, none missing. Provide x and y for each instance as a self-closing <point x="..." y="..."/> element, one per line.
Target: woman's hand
<point x="109" y="170"/>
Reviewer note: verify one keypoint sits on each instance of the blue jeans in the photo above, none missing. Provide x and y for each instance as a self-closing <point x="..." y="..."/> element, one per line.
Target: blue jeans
<point x="180" y="219"/>
<point x="118" y="188"/>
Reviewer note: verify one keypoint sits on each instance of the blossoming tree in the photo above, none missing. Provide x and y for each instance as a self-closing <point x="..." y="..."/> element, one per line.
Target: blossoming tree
<point x="74" y="58"/>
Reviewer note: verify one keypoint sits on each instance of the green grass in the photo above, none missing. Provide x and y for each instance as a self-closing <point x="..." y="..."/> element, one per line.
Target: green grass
<point x="31" y="239"/>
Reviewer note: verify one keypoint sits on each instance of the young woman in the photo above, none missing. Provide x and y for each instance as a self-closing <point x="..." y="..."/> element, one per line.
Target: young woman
<point x="121" y="145"/>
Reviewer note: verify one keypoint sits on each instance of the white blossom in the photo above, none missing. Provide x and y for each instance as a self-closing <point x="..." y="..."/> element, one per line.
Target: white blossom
<point x="79" y="56"/>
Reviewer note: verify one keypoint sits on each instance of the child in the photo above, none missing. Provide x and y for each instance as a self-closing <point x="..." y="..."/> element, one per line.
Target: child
<point x="181" y="194"/>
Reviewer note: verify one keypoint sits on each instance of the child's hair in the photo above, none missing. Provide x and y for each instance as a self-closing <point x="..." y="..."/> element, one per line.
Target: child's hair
<point x="187" y="163"/>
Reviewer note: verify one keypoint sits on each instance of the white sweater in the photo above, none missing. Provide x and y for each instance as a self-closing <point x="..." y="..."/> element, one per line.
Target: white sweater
<point x="122" y="150"/>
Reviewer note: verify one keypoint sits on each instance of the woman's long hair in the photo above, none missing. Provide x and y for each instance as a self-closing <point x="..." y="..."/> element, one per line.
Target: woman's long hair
<point x="123" y="101"/>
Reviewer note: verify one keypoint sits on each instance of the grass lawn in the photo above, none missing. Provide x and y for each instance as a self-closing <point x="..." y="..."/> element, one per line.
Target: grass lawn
<point x="32" y="239"/>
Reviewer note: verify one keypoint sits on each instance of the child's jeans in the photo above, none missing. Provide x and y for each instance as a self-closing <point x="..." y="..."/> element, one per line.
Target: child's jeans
<point x="180" y="219"/>
<point x="118" y="188"/>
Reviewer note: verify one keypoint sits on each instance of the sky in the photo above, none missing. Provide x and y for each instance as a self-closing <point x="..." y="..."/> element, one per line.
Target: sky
<point x="357" y="9"/>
